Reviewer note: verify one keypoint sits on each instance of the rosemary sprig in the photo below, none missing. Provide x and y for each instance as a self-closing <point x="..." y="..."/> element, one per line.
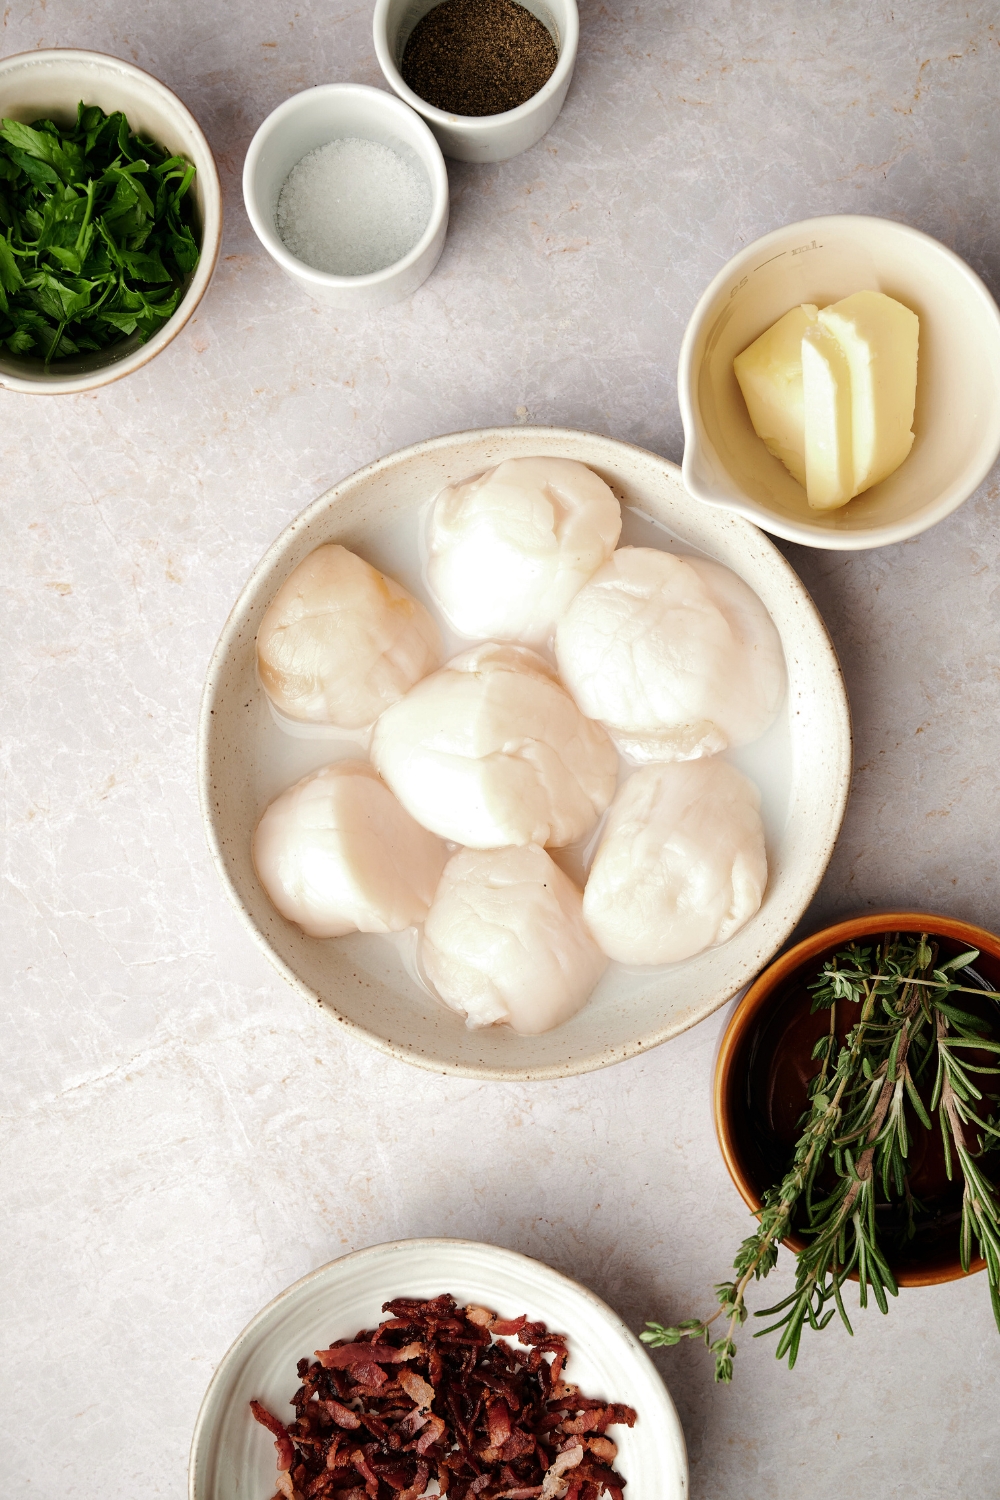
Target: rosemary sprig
<point x="856" y="1131"/>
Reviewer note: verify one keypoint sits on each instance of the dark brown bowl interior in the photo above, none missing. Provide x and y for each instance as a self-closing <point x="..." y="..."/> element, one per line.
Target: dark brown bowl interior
<point x="765" y="1065"/>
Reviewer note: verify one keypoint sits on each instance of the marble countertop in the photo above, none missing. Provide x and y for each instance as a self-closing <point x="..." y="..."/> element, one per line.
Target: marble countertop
<point x="183" y="1136"/>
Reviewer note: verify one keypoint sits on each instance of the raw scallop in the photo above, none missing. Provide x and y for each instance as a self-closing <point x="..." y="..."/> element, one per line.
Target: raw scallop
<point x="340" y="641"/>
<point x="336" y="853"/>
<point x="676" y="656"/>
<point x="505" y="940"/>
<point x="491" y="750"/>
<point x="509" y="548"/>
<point x="681" y="863"/>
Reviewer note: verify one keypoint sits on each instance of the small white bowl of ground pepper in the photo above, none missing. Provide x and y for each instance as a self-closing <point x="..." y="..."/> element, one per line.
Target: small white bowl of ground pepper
<point x="488" y="76"/>
<point x="347" y="191"/>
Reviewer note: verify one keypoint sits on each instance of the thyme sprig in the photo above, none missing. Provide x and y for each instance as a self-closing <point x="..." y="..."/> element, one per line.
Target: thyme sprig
<point x="856" y="1132"/>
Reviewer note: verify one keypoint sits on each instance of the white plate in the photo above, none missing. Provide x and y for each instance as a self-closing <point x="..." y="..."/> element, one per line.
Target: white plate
<point x="802" y="765"/>
<point x="232" y="1456"/>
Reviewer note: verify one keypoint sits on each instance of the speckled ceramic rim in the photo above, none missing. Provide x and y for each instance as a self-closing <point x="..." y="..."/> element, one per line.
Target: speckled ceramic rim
<point x="510" y="1268"/>
<point x="478" y="127"/>
<point x="604" y="451"/>
<point x="211" y="238"/>
<point x="688" y="376"/>
<point x="759" y="997"/>
<point x="263" y="225"/>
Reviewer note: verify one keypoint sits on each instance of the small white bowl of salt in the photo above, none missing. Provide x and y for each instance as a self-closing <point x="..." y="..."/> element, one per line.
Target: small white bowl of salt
<point x="347" y="190"/>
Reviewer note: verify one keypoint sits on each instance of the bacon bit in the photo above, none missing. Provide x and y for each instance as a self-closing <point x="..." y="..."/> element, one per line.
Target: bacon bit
<point x="416" y="1388"/>
<point x="507" y="1427"/>
<point x="507" y="1327"/>
<point x="436" y="1429"/>
<point x="516" y="1444"/>
<point x="342" y="1415"/>
<point x="418" y="1486"/>
<point x="498" y="1422"/>
<point x="480" y="1316"/>
<point x="264" y="1417"/>
<point x="343" y="1356"/>
<point x="554" y="1486"/>
<point x="596" y="1420"/>
<point x="412" y="1422"/>
<point x="371" y="1479"/>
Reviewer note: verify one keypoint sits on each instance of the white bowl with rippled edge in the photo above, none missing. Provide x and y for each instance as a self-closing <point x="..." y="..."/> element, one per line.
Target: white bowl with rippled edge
<point x="481" y="138"/>
<point x="49" y="84"/>
<point x="360" y="981"/>
<point x="314" y="118"/>
<point x="957" y="418"/>
<point x="232" y="1456"/>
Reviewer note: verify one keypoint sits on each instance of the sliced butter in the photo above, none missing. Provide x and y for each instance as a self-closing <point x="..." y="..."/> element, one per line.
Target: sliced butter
<point x="770" y="376"/>
<point x="826" y="391"/>
<point x="832" y="393"/>
<point x="878" y="336"/>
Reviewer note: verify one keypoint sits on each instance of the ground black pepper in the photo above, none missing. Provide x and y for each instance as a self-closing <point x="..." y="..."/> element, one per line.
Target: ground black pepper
<point x="478" y="57"/>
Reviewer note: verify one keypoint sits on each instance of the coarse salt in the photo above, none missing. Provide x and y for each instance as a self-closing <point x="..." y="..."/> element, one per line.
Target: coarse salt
<point x="352" y="207"/>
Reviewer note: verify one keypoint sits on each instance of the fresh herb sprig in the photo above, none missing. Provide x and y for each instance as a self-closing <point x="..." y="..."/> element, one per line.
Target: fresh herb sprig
<point x="95" y="246"/>
<point x="855" y="1132"/>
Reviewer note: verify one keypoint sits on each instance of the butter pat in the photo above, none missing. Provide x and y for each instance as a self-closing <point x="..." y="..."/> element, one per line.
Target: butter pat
<point x="826" y="390"/>
<point x="878" y="336"/>
<point x="770" y="377"/>
<point x="832" y="393"/>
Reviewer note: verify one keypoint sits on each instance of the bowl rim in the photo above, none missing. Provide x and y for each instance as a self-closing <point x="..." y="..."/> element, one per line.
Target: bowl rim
<point x="211" y="236"/>
<point x="276" y="247"/>
<point x="807" y="533"/>
<point x="385" y="1251"/>
<point x="474" y="126"/>
<point x="401" y="1051"/>
<point x="756" y="1001"/>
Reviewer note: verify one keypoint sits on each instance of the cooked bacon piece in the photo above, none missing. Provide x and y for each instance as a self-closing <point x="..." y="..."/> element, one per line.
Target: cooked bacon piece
<point x="498" y="1422"/>
<point x="283" y="1443"/>
<point x="343" y="1415"/>
<point x="416" y="1388"/>
<point x="436" y="1429"/>
<point x="597" y="1419"/>
<point x="554" y="1485"/>
<point x="440" y="1393"/>
<point x="418" y="1486"/>
<point x="264" y="1417"/>
<point x="343" y="1356"/>
<point x="507" y="1327"/>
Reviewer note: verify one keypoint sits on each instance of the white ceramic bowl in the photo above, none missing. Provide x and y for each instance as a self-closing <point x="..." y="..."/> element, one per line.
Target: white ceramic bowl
<point x="957" y="420"/>
<point x="232" y="1456"/>
<point x="335" y="111"/>
<point x="481" y="137"/>
<point x="51" y="84"/>
<point x="803" y="766"/>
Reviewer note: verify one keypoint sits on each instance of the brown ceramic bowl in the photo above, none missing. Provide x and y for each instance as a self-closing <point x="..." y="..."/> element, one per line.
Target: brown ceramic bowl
<point x="764" y="1065"/>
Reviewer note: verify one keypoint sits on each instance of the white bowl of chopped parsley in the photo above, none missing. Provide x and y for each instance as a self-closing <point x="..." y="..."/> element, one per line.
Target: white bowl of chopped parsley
<point x="110" y="219"/>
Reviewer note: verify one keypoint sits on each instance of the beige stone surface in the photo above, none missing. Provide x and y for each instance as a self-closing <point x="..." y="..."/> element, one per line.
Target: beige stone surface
<point x="182" y="1136"/>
